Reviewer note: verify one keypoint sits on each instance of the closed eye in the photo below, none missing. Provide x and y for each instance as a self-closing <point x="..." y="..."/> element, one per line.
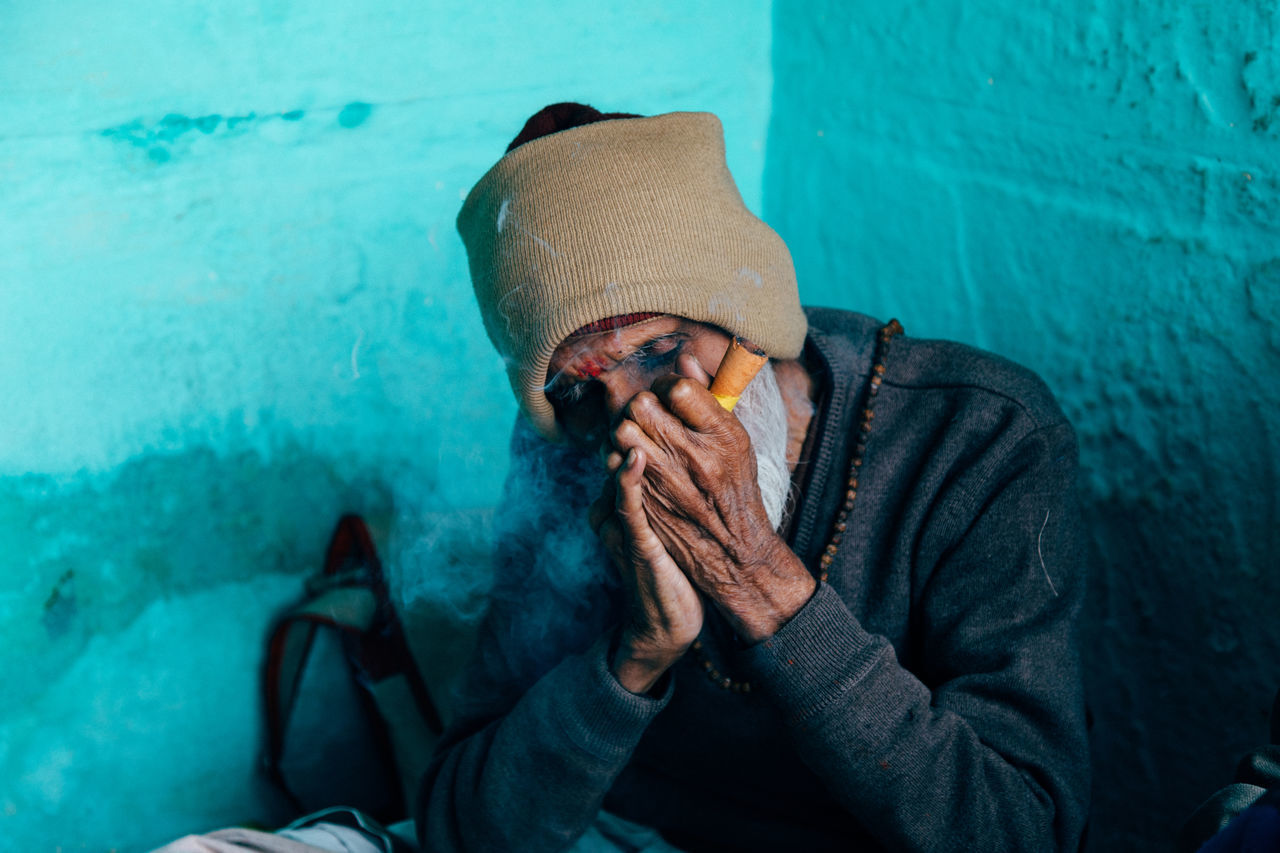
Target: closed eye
<point x="659" y="352"/>
<point x="650" y="357"/>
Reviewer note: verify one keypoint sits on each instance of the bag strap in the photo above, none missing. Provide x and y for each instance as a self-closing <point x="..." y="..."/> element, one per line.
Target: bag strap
<point x="350" y="597"/>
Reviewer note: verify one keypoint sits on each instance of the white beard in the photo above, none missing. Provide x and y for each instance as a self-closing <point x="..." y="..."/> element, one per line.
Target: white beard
<point x="763" y="414"/>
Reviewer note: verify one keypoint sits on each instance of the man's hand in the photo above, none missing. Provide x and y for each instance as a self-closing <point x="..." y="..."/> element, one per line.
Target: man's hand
<point x="664" y="611"/>
<point x="701" y="499"/>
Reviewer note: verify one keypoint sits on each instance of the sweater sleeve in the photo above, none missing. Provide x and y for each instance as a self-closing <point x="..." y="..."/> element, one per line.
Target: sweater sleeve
<point x="541" y="726"/>
<point x="983" y="746"/>
<point x="533" y="778"/>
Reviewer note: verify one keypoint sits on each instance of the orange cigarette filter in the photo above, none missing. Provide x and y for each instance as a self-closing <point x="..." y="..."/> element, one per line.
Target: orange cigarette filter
<point x="739" y="366"/>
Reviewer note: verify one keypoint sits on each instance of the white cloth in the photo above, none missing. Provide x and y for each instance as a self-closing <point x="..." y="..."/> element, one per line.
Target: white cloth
<point x="609" y="834"/>
<point x="334" y="838"/>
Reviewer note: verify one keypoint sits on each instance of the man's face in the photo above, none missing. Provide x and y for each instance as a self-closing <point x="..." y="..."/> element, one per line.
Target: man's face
<point x="591" y="378"/>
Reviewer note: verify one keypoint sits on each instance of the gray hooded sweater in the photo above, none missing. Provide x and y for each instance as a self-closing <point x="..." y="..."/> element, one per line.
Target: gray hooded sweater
<point x="928" y="697"/>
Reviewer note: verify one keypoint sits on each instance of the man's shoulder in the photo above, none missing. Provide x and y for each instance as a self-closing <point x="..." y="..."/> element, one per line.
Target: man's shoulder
<point x="931" y="368"/>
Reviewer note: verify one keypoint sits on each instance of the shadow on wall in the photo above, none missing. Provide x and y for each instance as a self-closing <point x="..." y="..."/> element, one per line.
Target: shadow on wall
<point x="1181" y="646"/>
<point x="1089" y="190"/>
<point x="161" y="525"/>
<point x="146" y="596"/>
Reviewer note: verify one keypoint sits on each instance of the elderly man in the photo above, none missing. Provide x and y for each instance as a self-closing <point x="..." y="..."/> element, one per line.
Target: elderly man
<point x="840" y="617"/>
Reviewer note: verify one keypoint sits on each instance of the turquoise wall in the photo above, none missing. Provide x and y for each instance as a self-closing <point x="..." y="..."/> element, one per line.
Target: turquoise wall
<point x="1090" y="188"/>
<point x="232" y="306"/>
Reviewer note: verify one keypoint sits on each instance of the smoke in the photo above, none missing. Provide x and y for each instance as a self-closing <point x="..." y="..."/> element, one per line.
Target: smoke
<point x="552" y="590"/>
<point x="529" y="573"/>
<point x="440" y="570"/>
<point x="442" y="562"/>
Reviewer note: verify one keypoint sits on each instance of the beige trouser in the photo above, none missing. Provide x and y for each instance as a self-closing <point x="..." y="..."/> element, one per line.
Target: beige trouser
<point x="609" y="834"/>
<point x="312" y="834"/>
<point x="239" y="841"/>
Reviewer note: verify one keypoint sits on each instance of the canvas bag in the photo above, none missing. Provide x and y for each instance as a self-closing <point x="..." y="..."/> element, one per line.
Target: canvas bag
<point x="349" y="719"/>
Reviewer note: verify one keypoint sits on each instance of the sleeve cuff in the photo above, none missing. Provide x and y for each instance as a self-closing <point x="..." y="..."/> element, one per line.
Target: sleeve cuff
<point x="607" y="720"/>
<point x="816" y="658"/>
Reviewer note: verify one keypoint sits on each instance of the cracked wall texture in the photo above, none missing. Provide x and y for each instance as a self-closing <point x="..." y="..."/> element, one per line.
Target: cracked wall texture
<point x="233" y="305"/>
<point x="1089" y="188"/>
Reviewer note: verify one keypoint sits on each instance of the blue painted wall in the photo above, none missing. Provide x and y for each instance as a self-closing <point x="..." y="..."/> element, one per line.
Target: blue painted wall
<point x="233" y="305"/>
<point x="1090" y="188"/>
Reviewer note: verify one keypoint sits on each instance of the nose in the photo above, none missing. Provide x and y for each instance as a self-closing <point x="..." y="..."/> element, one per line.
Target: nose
<point x="619" y="388"/>
<point x="588" y="420"/>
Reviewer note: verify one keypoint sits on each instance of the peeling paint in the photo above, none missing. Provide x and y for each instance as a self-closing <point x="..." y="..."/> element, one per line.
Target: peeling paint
<point x="179" y="522"/>
<point x="354" y="114"/>
<point x="160" y="138"/>
<point x="60" y="607"/>
<point x="203" y="206"/>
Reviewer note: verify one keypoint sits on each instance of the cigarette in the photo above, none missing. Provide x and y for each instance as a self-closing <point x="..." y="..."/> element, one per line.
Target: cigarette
<point x="739" y="366"/>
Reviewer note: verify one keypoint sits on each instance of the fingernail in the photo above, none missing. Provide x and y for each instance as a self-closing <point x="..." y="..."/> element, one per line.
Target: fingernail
<point x="631" y="457"/>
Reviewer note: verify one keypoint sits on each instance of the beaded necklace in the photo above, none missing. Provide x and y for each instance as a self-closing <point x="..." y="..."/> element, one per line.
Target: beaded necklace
<point x="886" y="335"/>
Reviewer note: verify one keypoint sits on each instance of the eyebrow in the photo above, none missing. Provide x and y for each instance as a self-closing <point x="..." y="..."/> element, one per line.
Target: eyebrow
<point x="570" y="393"/>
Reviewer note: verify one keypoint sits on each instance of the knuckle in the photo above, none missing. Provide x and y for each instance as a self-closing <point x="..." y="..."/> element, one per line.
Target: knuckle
<point x="623" y="436"/>
<point x="684" y="390"/>
<point x="627" y="430"/>
<point x="642" y="404"/>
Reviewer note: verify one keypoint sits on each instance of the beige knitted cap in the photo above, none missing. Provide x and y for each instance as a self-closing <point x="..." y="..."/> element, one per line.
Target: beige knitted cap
<point x="617" y="217"/>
